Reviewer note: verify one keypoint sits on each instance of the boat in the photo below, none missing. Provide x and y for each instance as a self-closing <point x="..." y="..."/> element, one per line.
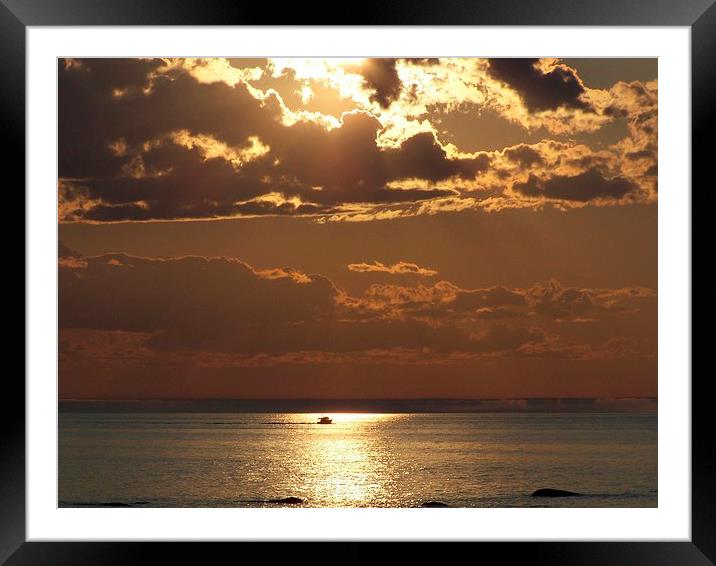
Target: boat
<point x="324" y="420"/>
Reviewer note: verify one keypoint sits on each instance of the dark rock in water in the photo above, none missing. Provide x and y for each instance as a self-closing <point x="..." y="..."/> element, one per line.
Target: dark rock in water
<point x="548" y="492"/>
<point x="114" y="504"/>
<point x="434" y="504"/>
<point x="287" y="500"/>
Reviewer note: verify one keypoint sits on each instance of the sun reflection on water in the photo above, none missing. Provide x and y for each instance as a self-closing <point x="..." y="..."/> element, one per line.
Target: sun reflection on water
<point x="348" y="463"/>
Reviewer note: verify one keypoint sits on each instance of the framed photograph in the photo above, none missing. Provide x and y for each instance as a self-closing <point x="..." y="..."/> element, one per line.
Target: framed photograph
<point x="425" y="277"/>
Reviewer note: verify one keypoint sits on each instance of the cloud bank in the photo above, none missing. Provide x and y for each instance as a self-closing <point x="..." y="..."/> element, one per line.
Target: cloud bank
<point x="183" y="139"/>
<point x="223" y="307"/>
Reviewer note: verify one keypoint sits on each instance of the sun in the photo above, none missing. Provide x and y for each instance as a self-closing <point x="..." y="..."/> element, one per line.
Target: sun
<point x="350" y="417"/>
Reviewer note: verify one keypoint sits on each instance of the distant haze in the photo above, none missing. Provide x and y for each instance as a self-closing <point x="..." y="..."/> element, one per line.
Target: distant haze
<point x="566" y="405"/>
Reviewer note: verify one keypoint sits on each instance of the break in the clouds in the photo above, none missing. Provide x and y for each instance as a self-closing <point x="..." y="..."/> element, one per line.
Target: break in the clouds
<point x="198" y="306"/>
<point x="182" y="139"/>
<point x="381" y="76"/>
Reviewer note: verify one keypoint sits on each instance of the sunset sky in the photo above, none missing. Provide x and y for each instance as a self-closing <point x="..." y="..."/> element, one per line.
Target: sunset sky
<point x="381" y="228"/>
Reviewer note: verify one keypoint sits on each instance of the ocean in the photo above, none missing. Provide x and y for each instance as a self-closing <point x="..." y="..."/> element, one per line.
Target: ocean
<point x="360" y="460"/>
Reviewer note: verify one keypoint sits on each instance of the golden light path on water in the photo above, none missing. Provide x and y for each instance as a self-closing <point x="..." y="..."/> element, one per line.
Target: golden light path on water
<point x="348" y="462"/>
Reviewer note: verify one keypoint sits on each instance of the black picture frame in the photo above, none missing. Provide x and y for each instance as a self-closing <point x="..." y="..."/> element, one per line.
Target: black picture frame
<point x="17" y="15"/>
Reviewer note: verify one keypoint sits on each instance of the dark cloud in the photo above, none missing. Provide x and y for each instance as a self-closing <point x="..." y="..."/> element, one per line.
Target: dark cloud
<point x="120" y="292"/>
<point x="559" y="87"/>
<point x="584" y="187"/>
<point x="84" y="95"/>
<point x="381" y="76"/>
<point x="118" y="213"/>
<point x="91" y="117"/>
<point x="589" y="161"/>
<point x="260" y="208"/>
<point x="523" y="154"/>
<point x="423" y="157"/>
<point x="640" y="154"/>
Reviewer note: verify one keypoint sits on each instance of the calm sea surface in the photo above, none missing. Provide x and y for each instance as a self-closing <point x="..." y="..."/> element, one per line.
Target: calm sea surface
<point x="362" y="460"/>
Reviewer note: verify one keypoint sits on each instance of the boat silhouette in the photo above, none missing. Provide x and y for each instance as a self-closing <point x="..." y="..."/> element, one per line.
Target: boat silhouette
<point x="324" y="420"/>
